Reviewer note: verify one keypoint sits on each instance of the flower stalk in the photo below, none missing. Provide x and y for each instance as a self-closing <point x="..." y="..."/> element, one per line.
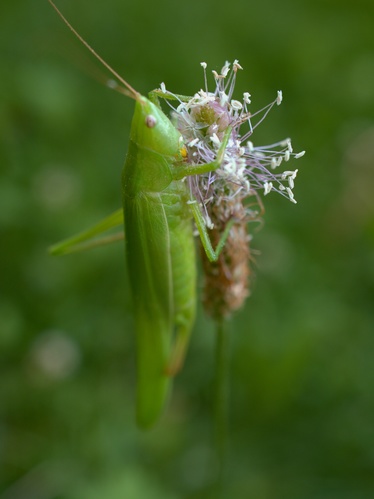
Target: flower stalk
<point x="232" y="192"/>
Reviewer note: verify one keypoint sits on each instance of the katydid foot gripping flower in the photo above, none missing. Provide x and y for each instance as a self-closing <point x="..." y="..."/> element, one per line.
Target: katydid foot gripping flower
<point x="246" y="172"/>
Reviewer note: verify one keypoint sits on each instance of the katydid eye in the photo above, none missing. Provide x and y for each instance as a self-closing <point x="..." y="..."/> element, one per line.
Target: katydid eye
<point x="150" y="121"/>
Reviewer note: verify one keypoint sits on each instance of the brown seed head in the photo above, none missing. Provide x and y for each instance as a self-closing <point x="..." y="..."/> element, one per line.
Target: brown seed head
<point x="227" y="280"/>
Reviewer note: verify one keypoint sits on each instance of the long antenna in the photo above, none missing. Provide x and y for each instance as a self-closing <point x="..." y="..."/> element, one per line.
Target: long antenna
<point x="131" y="91"/>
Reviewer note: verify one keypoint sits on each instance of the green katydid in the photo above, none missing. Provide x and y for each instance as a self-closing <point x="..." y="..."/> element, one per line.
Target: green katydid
<point x="158" y="214"/>
<point x="198" y="169"/>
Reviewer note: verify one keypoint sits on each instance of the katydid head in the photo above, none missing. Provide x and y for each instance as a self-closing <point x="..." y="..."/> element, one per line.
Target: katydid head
<point x="153" y="130"/>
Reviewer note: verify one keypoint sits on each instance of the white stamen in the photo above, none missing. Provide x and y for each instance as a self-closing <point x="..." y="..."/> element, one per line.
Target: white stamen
<point x="204" y="66"/>
<point x="213" y="128"/>
<point x="299" y="155"/>
<point x="294" y="174"/>
<point x="214" y="138"/>
<point x="193" y="142"/>
<point x="267" y="187"/>
<point x="287" y="174"/>
<point x="240" y="172"/>
<point x="290" y="193"/>
<point x="279" y="97"/>
<point x="163" y="88"/>
<point x="250" y="146"/>
<point x="208" y="222"/>
<point x="223" y="99"/>
<point x="246" y="97"/>
<point x="287" y="155"/>
<point x="181" y="108"/>
<point x="225" y="70"/>
<point x="236" y="65"/>
<point x="235" y="104"/>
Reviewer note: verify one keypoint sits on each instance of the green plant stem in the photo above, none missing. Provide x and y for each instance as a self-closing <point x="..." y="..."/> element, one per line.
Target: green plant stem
<point x="221" y="398"/>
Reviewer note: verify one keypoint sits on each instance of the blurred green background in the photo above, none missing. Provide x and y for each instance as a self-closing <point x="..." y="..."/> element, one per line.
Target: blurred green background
<point x="302" y="349"/>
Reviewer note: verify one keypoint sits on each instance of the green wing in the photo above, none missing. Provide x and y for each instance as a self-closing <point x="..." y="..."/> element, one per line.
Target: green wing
<point x="85" y="239"/>
<point x="149" y="266"/>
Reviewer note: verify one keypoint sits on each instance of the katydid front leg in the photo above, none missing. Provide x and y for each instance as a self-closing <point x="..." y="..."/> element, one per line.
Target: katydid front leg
<point x="184" y="170"/>
<point x="155" y="95"/>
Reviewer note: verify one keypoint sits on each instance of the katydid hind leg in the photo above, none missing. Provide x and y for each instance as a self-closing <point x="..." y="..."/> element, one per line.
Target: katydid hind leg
<point x="85" y="239"/>
<point x="179" y="350"/>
